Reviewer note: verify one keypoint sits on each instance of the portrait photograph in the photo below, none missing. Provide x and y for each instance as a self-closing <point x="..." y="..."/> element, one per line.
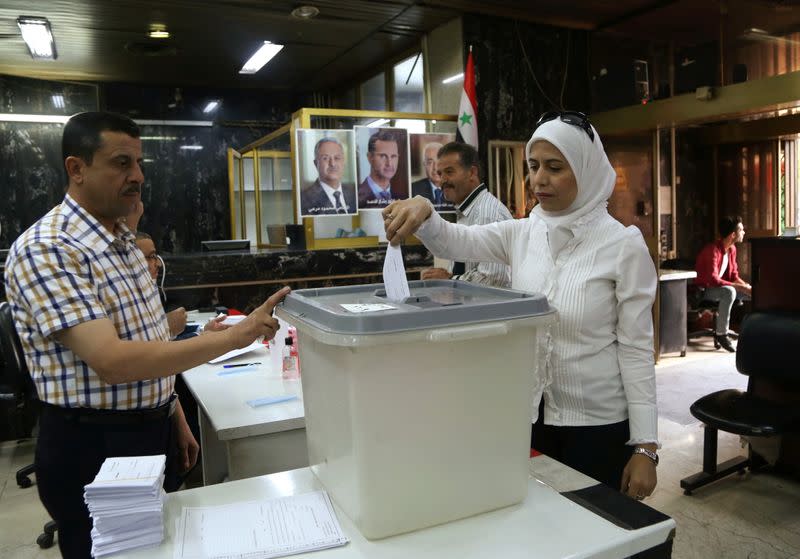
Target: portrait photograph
<point x="383" y="166"/>
<point x="424" y="179"/>
<point x="326" y="171"/>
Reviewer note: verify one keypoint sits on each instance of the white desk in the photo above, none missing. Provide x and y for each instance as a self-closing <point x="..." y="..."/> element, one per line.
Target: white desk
<point x="545" y="525"/>
<point x="239" y="441"/>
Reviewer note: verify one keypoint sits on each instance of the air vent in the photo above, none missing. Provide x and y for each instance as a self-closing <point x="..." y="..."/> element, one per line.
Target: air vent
<point x="151" y="48"/>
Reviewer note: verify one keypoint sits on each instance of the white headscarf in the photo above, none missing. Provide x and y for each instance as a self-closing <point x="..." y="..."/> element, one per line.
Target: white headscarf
<point x="593" y="172"/>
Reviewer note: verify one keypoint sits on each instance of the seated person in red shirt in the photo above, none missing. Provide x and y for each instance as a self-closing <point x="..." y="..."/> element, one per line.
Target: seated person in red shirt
<point x="718" y="273"/>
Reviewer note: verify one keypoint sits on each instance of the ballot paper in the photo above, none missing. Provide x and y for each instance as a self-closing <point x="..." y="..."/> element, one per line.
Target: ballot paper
<point x="394" y="275"/>
<point x="258" y="529"/>
<point x="237" y="352"/>
<point x="126" y="504"/>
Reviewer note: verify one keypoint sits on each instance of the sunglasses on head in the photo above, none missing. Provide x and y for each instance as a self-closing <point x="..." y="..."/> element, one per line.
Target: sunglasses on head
<point x="575" y="118"/>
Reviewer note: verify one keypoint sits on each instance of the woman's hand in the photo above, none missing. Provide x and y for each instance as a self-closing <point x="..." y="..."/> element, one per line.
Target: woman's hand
<point x="403" y="217"/>
<point x="639" y="477"/>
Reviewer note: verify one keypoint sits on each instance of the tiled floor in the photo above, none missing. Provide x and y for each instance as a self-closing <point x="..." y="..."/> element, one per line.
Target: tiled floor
<point x="750" y="516"/>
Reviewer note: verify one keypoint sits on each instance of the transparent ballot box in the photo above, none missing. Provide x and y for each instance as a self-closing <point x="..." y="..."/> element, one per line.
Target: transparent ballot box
<point x="418" y="414"/>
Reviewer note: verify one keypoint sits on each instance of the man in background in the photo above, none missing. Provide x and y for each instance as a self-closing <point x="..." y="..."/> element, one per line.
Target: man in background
<point x="458" y="167"/>
<point x="429" y="186"/>
<point x="718" y="274"/>
<point x="383" y="155"/>
<point x="327" y="195"/>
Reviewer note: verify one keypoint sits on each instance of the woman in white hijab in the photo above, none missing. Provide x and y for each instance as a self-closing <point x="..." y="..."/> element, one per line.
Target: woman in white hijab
<point x="594" y="407"/>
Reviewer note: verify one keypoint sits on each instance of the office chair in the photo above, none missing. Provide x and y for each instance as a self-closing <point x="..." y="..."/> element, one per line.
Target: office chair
<point x="769" y="406"/>
<point x="24" y="391"/>
<point x="697" y="305"/>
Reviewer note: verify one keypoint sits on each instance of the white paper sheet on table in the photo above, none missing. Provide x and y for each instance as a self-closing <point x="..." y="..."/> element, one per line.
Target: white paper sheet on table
<point x="237" y="352"/>
<point x="394" y="275"/>
<point x="235" y="319"/>
<point x="258" y="529"/>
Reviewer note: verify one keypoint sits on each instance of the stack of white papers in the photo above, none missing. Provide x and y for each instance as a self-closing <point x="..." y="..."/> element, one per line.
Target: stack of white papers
<point x="258" y="529"/>
<point x="126" y="502"/>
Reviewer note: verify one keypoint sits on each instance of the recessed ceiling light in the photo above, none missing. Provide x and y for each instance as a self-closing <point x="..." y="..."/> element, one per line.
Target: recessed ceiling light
<point x="192" y="148"/>
<point x="38" y="36"/>
<point x="263" y="55"/>
<point x="158" y="31"/>
<point x="211" y="106"/>
<point x="58" y="101"/>
<point x="305" y="12"/>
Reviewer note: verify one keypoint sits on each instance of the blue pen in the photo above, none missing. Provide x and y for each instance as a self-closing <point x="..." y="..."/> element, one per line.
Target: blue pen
<point x="241" y="365"/>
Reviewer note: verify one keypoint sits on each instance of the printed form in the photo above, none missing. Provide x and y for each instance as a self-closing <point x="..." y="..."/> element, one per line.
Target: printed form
<point x="258" y="529"/>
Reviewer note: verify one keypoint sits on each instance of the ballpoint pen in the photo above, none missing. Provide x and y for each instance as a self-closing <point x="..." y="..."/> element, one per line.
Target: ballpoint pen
<point x="240" y="365"/>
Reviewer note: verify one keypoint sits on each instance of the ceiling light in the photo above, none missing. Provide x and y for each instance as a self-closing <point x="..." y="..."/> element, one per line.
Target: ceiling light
<point x="194" y="148"/>
<point x="58" y="101"/>
<point x="212" y="106"/>
<point x="305" y="12"/>
<point x="38" y="36"/>
<point x="263" y="55"/>
<point x="159" y="138"/>
<point x="453" y="78"/>
<point x="16" y="117"/>
<point x="158" y="31"/>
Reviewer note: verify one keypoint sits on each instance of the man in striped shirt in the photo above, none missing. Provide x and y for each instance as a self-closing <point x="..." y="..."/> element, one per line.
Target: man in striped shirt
<point x="458" y="166"/>
<point x="94" y="332"/>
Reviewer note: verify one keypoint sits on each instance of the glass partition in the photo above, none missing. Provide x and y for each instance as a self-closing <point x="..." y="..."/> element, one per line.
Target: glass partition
<point x="234" y="185"/>
<point x="506" y="177"/>
<point x="265" y="188"/>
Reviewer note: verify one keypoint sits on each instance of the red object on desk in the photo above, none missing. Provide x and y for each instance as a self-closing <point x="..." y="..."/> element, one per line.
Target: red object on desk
<point x="534" y="452"/>
<point x="234" y="312"/>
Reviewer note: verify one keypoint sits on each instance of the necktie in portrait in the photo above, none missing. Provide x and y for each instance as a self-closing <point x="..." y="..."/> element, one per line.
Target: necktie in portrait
<point x="339" y="206"/>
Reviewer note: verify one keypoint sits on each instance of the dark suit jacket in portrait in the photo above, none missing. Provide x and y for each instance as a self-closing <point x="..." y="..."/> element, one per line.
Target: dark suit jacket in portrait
<point x="314" y="201"/>
<point x="367" y="199"/>
<point x="422" y="187"/>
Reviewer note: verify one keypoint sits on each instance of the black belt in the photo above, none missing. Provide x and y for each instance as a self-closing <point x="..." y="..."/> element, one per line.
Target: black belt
<point x="94" y="416"/>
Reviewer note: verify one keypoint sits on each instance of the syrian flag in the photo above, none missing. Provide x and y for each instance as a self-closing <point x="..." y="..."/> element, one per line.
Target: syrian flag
<point x="468" y="107"/>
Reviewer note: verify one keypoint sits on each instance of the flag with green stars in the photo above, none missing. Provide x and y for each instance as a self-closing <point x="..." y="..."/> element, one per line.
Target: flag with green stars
<point x="468" y="108"/>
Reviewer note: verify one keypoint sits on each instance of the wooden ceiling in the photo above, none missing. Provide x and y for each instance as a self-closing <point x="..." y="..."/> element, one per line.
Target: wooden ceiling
<point x="105" y="40"/>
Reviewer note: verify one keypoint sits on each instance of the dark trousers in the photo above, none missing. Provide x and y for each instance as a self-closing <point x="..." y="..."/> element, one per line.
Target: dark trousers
<point x="69" y="454"/>
<point x="599" y="451"/>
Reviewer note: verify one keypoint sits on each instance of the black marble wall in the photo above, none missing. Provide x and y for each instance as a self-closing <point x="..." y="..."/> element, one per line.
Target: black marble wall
<point x="243" y="280"/>
<point x="32" y="179"/>
<point x="186" y="190"/>
<point x="523" y="70"/>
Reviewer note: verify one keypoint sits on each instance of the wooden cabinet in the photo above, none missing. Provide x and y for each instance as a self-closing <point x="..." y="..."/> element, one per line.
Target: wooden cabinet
<point x="775" y="273"/>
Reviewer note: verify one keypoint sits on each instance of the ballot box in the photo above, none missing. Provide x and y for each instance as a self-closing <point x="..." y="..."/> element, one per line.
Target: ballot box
<point x="419" y="412"/>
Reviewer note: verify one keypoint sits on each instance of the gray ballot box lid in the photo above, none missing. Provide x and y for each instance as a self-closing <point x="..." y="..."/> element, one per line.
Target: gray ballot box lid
<point x="432" y="304"/>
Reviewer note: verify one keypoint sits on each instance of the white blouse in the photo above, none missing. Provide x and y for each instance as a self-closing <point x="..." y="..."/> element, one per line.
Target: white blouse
<point x="596" y="364"/>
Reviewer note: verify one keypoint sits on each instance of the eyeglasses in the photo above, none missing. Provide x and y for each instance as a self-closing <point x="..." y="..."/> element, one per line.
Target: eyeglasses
<point x="153" y="257"/>
<point x="575" y="118"/>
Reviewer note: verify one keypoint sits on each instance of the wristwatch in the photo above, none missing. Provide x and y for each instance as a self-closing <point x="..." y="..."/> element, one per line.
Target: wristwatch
<point x="649" y="453"/>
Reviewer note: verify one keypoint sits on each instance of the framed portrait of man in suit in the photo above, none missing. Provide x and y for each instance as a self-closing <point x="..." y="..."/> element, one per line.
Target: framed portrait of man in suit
<point x="326" y="173"/>
<point x="425" y="179"/>
<point x="382" y="166"/>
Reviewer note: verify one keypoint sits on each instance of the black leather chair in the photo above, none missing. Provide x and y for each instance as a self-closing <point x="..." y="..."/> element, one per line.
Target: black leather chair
<point x="21" y="385"/>
<point x="771" y="405"/>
